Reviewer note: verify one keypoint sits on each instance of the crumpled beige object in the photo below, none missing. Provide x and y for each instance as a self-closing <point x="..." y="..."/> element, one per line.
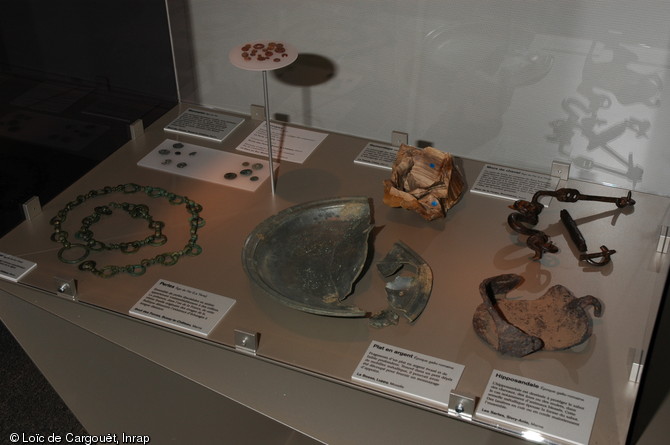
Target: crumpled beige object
<point x="424" y="180"/>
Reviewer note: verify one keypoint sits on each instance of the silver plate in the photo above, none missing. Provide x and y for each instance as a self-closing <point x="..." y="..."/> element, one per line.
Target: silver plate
<point x="309" y="256"/>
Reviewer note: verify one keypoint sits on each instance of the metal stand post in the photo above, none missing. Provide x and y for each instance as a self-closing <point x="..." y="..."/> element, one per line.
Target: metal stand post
<point x="268" y="129"/>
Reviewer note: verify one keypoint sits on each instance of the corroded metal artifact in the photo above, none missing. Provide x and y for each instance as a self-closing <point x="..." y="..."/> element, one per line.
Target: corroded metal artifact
<point x="557" y="320"/>
<point x="77" y="250"/>
<point x="595" y="259"/>
<point x="425" y="181"/>
<point x="527" y="214"/>
<point x="410" y="289"/>
<point x="309" y="256"/>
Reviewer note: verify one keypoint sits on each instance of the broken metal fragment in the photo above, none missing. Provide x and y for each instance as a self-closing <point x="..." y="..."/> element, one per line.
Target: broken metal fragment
<point x="595" y="259"/>
<point x="386" y="317"/>
<point x="410" y="289"/>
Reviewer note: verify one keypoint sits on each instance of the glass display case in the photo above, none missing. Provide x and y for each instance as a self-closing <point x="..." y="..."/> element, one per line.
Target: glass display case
<point x="570" y="93"/>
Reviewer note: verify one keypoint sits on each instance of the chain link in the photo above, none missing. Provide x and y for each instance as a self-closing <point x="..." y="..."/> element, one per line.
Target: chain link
<point x="137" y="211"/>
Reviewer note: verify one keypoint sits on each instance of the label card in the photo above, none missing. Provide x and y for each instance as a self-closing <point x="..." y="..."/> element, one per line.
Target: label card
<point x="182" y="307"/>
<point x="511" y="183"/>
<point x="378" y="155"/>
<point x="205" y="124"/>
<point x="538" y="408"/>
<point x="408" y="373"/>
<point x="14" y="268"/>
<point x="288" y="143"/>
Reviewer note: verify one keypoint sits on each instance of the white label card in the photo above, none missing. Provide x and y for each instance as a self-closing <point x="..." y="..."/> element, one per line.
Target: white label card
<point x="538" y="408"/>
<point x="288" y="143"/>
<point x="408" y="373"/>
<point x="378" y="155"/>
<point x="511" y="183"/>
<point x="205" y="124"/>
<point x="14" y="268"/>
<point x="182" y="307"/>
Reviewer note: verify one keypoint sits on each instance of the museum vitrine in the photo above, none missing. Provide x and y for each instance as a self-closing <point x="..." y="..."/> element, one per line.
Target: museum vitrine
<point x="508" y="278"/>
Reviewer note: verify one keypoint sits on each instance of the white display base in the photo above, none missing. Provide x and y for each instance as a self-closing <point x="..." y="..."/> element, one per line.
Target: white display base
<point x="207" y="164"/>
<point x="252" y="63"/>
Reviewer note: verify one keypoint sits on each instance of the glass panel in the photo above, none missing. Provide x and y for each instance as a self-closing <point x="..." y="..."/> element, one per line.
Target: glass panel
<point x="511" y="82"/>
<point x="70" y="87"/>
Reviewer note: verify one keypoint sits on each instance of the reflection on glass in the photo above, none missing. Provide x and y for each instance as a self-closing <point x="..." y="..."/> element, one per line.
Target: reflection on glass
<point x="533" y="436"/>
<point x="511" y="83"/>
<point x="470" y="77"/>
<point x="608" y="83"/>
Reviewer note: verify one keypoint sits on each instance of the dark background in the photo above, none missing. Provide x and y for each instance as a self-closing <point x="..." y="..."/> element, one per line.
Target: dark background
<point x="73" y="76"/>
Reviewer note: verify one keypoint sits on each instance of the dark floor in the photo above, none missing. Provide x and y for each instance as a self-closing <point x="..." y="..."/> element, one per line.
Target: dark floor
<point x="28" y="403"/>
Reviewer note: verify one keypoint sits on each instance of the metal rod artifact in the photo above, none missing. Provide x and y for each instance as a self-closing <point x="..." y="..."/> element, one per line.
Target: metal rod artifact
<point x="527" y="215"/>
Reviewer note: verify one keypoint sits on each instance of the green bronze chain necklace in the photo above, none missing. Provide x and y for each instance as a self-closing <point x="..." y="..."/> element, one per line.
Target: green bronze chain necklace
<point x="68" y="253"/>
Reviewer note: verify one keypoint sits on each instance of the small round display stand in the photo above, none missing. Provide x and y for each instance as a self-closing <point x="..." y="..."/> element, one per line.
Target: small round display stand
<point x="264" y="56"/>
